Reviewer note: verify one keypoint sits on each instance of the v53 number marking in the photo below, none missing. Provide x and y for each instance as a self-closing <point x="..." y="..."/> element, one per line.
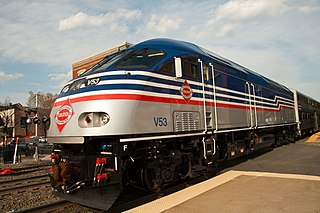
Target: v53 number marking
<point x="160" y="121"/>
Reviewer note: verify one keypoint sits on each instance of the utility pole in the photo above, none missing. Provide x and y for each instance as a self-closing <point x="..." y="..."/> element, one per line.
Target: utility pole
<point x="37" y="114"/>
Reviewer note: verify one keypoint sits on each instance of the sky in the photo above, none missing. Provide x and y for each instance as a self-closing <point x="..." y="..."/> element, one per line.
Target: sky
<point x="39" y="40"/>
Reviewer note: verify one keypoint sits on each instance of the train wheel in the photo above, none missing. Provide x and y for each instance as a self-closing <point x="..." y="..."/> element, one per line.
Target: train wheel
<point x="277" y="142"/>
<point x="151" y="179"/>
<point x="281" y="139"/>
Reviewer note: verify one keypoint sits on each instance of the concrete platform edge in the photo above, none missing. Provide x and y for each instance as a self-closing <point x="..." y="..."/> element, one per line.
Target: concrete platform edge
<point x="314" y="138"/>
<point x="179" y="197"/>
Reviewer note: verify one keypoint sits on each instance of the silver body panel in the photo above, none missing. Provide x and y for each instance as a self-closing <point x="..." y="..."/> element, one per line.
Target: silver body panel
<point x="134" y="117"/>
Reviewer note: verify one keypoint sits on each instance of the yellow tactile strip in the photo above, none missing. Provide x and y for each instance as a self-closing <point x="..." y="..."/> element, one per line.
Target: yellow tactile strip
<point x="314" y="138"/>
<point x="177" y="198"/>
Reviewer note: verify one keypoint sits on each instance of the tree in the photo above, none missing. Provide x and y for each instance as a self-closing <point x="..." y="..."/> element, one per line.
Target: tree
<point x="6" y="102"/>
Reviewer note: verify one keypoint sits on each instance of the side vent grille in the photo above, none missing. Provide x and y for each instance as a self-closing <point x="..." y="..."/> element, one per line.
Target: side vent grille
<point x="186" y="121"/>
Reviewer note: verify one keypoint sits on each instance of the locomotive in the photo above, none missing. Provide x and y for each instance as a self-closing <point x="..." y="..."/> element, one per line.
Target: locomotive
<point x="159" y="112"/>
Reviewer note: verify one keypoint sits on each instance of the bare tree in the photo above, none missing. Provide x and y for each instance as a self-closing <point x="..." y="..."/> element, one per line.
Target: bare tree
<point x="6" y="102"/>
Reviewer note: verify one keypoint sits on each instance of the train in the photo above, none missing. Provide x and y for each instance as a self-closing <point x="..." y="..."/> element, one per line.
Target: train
<point x="164" y="111"/>
<point x="307" y="112"/>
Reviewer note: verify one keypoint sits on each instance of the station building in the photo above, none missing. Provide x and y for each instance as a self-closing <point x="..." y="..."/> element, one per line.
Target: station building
<point x="13" y="122"/>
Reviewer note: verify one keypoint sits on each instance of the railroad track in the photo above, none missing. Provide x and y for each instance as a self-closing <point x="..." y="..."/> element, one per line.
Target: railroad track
<point x="58" y="206"/>
<point x="24" y="170"/>
<point x="21" y="185"/>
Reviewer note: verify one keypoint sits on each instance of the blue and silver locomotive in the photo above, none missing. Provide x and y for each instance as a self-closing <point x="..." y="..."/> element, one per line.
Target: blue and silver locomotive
<point x="158" y="112"/>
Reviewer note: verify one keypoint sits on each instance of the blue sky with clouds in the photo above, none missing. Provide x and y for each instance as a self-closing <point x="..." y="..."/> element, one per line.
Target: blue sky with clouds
<point x="39" y="40"/>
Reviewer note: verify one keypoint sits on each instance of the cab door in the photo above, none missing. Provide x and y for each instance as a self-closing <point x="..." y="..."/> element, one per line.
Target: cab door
<point x="187" y="111"/>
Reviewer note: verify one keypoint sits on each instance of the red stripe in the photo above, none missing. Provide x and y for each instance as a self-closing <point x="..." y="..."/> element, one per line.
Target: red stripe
<point x="160" y="100"/>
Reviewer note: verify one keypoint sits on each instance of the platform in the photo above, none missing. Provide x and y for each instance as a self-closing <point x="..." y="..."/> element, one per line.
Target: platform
<point x="315" y="138"/>
<point x="241" y="191"/>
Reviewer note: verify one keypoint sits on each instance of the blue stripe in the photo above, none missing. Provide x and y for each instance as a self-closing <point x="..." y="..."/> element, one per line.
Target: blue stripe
<point x="168" y="91"/>
<point x="231" y="100"/>
<point x="138" y="87"/>
<point x="140" y="77"/>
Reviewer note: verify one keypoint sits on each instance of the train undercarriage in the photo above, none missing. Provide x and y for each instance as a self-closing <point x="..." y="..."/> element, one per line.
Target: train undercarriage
<point x="95" y="173"/>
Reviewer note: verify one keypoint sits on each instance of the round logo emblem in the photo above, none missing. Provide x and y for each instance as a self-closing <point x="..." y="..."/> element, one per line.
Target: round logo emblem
<point x="186" y="91"/>
<point x="63" y="115"/>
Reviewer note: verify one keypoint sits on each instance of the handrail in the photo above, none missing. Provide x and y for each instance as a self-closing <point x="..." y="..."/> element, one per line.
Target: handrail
<point x="204" y="98"/>
<point x="214" y="97"/>
<point x="249" y="93"/>
<point x="255" y="105"/>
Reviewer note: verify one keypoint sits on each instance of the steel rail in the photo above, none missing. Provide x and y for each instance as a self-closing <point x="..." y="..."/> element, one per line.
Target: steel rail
<point x="19" y="188"/>
<point x="50" y="207"/>
<point x="22" y="179"/>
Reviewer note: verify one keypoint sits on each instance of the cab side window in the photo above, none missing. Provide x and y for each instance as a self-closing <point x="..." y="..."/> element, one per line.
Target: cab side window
<point x="168" y="68"/>
<point x="205" y="73"/>
<point x="190" y="68"/>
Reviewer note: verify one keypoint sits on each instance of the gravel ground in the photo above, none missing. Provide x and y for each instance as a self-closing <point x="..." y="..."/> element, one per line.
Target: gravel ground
<point x="26" y="200"/>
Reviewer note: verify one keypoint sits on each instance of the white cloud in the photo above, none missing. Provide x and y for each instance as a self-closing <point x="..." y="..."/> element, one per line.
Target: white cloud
<point x="226" y="29"/>
<point x="238" y="10"/>
<point x="125" y="14"/>
<point x="60" y="76"/>
<point x="82" y="19"/>
<point x="163" y="24"/>
<point x="27" y="38"/>
<point x="308" y="9"/>
<point x="4" y="77"/>
<point x="229" y="16"/>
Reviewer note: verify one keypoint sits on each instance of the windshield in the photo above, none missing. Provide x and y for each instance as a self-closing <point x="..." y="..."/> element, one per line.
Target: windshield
<point x="106" y="62"/>
<point x="140" y="59"/>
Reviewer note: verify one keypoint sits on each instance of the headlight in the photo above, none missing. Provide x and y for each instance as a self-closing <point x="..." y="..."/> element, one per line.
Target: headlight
<point x="93" y="119"/>
<point x="88" y="119"/>
<point x="105" y="118"/>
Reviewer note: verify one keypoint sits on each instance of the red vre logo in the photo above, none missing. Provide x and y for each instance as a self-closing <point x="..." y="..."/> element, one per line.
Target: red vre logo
<point x="186" y="91"/>
<point x="63" y="115"/>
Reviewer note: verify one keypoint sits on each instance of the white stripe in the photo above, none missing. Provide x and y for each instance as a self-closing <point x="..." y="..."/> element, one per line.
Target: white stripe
<point x="165" y="86"/>
<point x="274" y="102"/>
<point x="165" y="77"/>
<point x="147" y="93"/>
